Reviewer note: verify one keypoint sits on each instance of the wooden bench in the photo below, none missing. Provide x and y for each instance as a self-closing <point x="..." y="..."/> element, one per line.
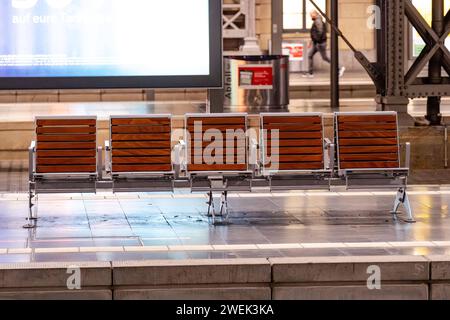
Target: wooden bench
<point x="64" y="158"/>
<point x="217" y="154"/>
<point x="294" y="153"/>
<point x="368" y="154"/>
<point x="139" y="153"/>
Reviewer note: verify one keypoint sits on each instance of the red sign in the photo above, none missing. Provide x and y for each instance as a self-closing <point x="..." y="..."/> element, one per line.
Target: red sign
<point x="256" y="77"/>
<point x="296" y="51"/>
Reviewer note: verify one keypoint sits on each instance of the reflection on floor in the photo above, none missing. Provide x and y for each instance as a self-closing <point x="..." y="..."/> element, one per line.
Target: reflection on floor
<point x="163" y="226"/>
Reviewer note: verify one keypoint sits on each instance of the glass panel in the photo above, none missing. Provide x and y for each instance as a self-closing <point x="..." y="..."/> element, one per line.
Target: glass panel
<point x="292" y="14"/>
<point x="424" y="7"/>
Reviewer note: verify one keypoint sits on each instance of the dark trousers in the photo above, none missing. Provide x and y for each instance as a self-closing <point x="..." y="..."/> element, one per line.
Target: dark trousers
<point x="322" y="49"/>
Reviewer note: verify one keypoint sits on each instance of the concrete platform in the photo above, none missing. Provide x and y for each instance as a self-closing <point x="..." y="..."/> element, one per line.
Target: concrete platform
<point x="302" y="245"/>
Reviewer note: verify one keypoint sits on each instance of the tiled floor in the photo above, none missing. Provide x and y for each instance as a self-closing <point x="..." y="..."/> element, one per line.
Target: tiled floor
<point x="147" y="226"/>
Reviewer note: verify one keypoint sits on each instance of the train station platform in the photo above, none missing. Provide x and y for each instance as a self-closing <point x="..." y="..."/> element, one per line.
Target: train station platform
<point x="302" y="245"/>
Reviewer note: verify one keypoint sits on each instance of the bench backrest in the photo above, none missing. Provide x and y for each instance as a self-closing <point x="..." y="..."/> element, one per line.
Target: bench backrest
<point x="367" y="140"/>
<point x="300" y="145"/>
<point x="66" y="145"/>
<point x="141" y="144"/>
<point x="232" y="156"/>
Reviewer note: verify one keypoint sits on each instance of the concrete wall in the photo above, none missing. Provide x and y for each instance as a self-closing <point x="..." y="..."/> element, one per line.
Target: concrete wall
<point x="337" y="278"/>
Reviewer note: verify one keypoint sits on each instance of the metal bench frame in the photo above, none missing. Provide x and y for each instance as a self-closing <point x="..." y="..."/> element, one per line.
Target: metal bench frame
<point x="221" y="182"/>
<point x="137" y="181"/>
<point x="379" y="178"/>
<point x="54" y="183"/>
<point x="285" y="180"/>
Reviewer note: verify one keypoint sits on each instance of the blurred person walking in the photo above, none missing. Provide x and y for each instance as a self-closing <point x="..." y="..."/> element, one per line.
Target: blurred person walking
<point x="318" y="43"/>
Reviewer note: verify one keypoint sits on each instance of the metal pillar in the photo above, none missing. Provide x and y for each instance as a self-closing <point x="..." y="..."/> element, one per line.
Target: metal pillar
<point x="277" y="28"/>
<point x="435" y="65"/>
<point x="335" y="56"/>
<point x="215" y="103"/>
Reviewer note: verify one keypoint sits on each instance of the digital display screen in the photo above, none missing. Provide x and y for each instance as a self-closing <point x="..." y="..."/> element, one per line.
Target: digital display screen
<point x="110" y="43"/>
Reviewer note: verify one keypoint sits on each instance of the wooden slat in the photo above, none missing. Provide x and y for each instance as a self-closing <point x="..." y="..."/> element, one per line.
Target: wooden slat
<point x="298" y="158"/>
<point x="299" y="141"/>
<point x="274" y="120"/>
<point x="371" y="149"/>
<point x="66" y="161"/>
<point x="370" y="157"/>
<point x="367" y="118"/>
<point x="66" y="130"/>
<point x="298" y="151"/>
<point x="141" y="144"/>
<point x="218" y="127"/>
<point x="140" y="129"/>
<point x="231" y="167"/>
<point x="142" y="160"/>
<point x="305" y="135"/>
<point x="297" y="166"/>
<point x="141" y="121"/>
<point x="288" y="143"/>
<point x="67" y="138"/>
<point x="368" y="134"/>
<point x="218" y="121"/>
<point x="67" y="169"/>
<point x="66" y="122"/>
<point x="142" y="168"/>
<point x="368" y="142"/>
<point x="140" y="152"/>
<point x="370" y="164"/>
<point x="220" y="160"/>
<point x="367" y="126"/>
<point x="294" y="127"/>
<point x="65" y="145"/>
<point x="141" y="137"/>
<point x="65" y="153"/>
<point x="295" y="135"/>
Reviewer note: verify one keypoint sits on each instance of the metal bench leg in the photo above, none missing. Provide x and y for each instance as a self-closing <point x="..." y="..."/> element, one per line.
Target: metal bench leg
<point x="224" y="206"/>
<point x="402" y="198"/>
<point x="31" y="218"/>
<point x="211" y="207"/>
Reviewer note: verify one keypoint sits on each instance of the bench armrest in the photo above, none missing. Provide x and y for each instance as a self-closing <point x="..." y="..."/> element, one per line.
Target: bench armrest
<point x="32" y="160"/>
<point x="99" y="163"/>
<point x="108" y="157"/>
<point x="253" y="152"/>
<point x="331" y="148"/>
<point x="408" y="155"/>
<point x="179" y="157"/>
<point x="253" y="155"/>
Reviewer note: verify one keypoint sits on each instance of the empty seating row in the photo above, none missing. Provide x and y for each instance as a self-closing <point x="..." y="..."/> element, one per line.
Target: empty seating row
<point x="219" y="154"/>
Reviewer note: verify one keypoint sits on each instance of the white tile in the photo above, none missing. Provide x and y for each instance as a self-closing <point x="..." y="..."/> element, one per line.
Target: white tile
<point x="322" y="194"/>
<point x="279" y="246"/>
<point x="101" y="249"/>
<point x="410" y="244"/>
<point x="191" y="248"/>
<point x="156" y="196"/>
<point x="189" y="196"/>
<point x="442" y="243"/>
<point x="355" y="194"/>
<point x="235" y="247"/>
<point x="56" y="250"/>
<point x="368" y="245"/>
<point x="147" y="249"/>
<point x="20" y="251"/>
<point x="323" y="245"/>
